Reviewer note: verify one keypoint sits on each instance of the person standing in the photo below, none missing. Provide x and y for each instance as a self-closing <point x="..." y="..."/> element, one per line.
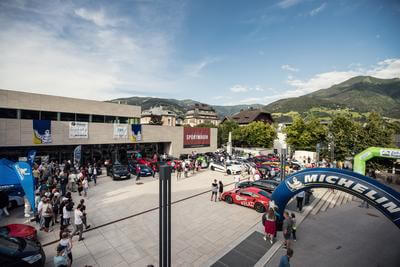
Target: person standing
<point x="220" y="190"/>
<point x="294" y="226"/>
<point x="269" y="222"/>
<point x="236" y="180"/>
<point x="300" y="198"/>
<point x="214" y="190"/>
<point x="285" y="259"/>
<point x="85" y="186"/>
<point x="94" y="174"/>
<point x="287" y="228"/>
<point x="84" y="217"/>
<point x="78" y="222"/>
<point x="63" y="183"/>
<point x="47" y="214"/>
<point x="4" y="202"/>
<point x="137" y="172"/>
<point x="307" y="196"/>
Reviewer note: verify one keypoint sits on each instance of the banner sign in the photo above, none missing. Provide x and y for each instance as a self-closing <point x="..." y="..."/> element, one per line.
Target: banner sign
<point x="120" y="131"/>
<point x="77" y="155"/>
<point x="392" y="153"/>
<point x="41" y="131"/>
<point x="24" y="172"/>
<point x="31" y="156"/>
<point x="196" y="137"/>
<point x="382" y="197"/>
<point x="78" y="129"/>
<point x="136" y="132"/>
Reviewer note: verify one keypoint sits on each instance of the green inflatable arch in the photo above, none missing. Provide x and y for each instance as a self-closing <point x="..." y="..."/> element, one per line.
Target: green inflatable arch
<point x="372" y="152"/>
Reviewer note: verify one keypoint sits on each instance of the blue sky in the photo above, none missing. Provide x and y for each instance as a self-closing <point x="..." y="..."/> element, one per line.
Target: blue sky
<point x="218" y="52"/>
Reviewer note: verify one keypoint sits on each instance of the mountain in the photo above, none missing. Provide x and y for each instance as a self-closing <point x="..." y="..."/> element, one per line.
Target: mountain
<point x="360" y="94"/>
<point x="180" y="106"/>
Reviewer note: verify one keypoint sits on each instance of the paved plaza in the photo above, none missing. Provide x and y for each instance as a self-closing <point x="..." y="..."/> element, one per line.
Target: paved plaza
<point x="200" y="228"/>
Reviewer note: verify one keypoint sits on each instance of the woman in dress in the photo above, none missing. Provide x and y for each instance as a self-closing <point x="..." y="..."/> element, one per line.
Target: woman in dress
<point x="270" y="225"/>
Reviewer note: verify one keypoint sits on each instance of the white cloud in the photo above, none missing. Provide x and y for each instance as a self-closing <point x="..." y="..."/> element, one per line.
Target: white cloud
<point x="315" y="11"/>
<point x="194" y="70"/>
<point x="289" y="68"/>
<point x="53" y="52"/>
<point x="288" y="3"/>
<point x="97" y="17"/>
<point x="239" y="88"/>
<point x="386" y="69"/>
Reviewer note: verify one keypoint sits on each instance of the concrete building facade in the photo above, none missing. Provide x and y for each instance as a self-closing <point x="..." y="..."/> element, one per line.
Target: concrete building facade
<point x="18" y="110"/>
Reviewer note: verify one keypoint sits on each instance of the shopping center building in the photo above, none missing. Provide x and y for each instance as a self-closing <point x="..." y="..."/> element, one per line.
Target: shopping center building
<point x="55" y="126"/>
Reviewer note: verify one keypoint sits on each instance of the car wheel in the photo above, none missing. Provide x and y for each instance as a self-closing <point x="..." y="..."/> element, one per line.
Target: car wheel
<point x="259" y="207"/>
<point x="113" y="177"/>
<point x="229" y="199"/>
<point x="229" y="172"/>
<point x="212" y="168"/>
<point x="13" y="204"/>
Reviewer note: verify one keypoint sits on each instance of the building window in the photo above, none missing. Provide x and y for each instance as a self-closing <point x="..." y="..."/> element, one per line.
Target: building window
<point x="98" y="118"/>
<point x="67" y="116"/>
<point x="110" y="119"/>
<point x="135" y="120"/>
<point x="123" y="119"/>
<point x="47" y="115"/>
<point x="30" y="114"/>
<point x="7" y="113"/>
<point x="82" y="117"/>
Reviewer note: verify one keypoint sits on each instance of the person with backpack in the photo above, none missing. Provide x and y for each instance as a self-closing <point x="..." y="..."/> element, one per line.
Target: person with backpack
<point x="47" y="213"/>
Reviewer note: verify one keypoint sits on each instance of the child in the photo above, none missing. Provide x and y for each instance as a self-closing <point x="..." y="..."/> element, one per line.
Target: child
<point x="294" y="226"/>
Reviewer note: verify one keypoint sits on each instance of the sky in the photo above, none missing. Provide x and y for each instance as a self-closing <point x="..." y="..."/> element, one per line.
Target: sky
<point x="221" y="52"/>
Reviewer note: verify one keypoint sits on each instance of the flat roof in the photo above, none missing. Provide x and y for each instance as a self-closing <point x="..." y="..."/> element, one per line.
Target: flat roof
<point x="32" y="101"/>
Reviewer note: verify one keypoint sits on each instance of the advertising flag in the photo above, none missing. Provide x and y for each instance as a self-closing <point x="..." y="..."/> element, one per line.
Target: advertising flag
<point x="77" y="155"/>
<point x="24" y="172"/>
<point x="31" y="156"/>
<point x="136" y="132"/>
<point x="42" y="132"/>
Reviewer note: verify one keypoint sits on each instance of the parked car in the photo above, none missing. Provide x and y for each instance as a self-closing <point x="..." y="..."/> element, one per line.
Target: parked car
<point x="120" y="172"/>
<point x="230" y="168"/>
<point x="20" y="252"/>
<point x="145" y="170"/>
<point x="266" y="185"/>
<point x="19" y="230"/>
<point x="251" y="197"/>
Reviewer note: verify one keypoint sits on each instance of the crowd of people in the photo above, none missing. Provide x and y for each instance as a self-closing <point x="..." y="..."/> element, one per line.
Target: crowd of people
<point x="54" y="204"/>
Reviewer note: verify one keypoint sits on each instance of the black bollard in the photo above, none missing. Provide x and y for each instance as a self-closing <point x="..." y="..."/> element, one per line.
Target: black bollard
<point x="165" y="216"/>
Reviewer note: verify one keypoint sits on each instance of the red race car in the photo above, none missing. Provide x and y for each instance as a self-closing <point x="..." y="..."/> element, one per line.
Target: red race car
<point x="250" y="197"/>
<point x="19" y="230"/>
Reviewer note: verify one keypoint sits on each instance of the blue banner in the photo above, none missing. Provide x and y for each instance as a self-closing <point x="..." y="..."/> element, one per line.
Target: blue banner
<point x="382" y="197"/>
<point x="136" y="132"/>
<point x="31" y="157"/>
<point x="24" y="172"/>
<point x="77" y="155"/>
<point x="42" y="132"/>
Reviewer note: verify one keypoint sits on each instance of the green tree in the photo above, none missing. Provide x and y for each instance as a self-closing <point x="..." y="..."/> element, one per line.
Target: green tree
<point x="206" y="125"/>
<point x="376" y="132"/>
<point x="305" y="134"/>
<point x="255" y="134"/>
<point x="224" y="129"/>
<point x="346" y="135"/>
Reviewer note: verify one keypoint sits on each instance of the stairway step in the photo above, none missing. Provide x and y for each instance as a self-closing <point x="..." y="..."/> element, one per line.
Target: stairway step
<point x="340" y="201"/>
<point x="328" y="202"/>
<point x="321" y="202"/>
<point x="335" y="199"/>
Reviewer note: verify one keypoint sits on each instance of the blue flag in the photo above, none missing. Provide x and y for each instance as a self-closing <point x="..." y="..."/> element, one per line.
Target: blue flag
<point x="24" y="172"/>
<point x="41" y="131"/>
<point x="31" y="156"/>
<point x="77" y="155"/>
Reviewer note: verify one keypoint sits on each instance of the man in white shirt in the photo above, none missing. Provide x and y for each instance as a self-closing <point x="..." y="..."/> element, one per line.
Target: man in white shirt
<point x="237" y="180"/>
<point x="78" y="222"/>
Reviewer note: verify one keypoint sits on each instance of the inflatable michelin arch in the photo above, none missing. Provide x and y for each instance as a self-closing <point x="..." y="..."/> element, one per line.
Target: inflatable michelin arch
<point x="382" y="197"/>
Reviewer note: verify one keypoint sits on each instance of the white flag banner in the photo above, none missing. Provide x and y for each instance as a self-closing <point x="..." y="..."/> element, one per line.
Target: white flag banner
<point x="120" y="131"/>
<point x="78" y="129"/>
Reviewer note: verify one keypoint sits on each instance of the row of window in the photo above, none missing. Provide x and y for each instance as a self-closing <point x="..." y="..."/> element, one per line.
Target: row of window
<point x="6" y="113"/>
